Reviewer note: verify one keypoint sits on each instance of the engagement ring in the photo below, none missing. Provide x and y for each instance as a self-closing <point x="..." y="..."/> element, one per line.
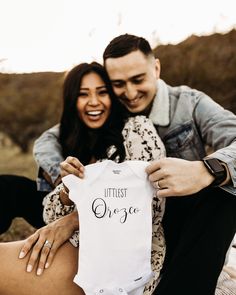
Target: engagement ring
<point x="47" y="244"/>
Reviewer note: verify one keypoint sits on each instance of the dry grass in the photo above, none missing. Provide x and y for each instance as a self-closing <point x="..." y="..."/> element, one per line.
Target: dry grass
<point x="14" y="162"/>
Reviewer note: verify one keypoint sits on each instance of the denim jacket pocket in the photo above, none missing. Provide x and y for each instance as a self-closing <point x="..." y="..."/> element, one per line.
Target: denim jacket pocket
<point x="183" y="142"/>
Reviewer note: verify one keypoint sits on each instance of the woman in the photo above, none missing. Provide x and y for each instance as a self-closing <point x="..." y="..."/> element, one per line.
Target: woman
<point x="91" y="129"/>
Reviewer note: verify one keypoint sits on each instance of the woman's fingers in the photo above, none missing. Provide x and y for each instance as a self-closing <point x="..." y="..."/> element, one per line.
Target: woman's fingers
<point x="49" y="258"/>
<point x="41" y="247"/>
<point x="38" y="250"/>
<point x="29" y="242"/>
<point x="63" y="229"/>
<point x="46" y="249"/>
<point x="72" y="165"/>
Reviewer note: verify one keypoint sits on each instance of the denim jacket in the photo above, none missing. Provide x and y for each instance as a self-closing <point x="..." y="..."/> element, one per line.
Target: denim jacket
<point x="187" y="121"/>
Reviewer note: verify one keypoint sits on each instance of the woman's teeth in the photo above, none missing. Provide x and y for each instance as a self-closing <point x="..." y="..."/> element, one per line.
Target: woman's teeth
<point x="94" y="113"/>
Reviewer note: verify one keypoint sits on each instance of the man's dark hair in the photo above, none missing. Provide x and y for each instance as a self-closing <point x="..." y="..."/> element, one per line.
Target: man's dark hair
<point x="125" y="44"/>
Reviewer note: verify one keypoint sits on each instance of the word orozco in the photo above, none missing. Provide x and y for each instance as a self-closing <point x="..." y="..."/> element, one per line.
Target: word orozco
<point x="101" y="210"/>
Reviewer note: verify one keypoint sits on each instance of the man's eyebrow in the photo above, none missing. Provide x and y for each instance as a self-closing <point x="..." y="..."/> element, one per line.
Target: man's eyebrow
<point x="131" y="78"/>
<point x="138" y="76"/>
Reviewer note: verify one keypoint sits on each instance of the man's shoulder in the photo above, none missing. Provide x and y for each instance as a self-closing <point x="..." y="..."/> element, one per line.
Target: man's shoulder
<point x="185" y="94"/>
<point x="184" y="90"/>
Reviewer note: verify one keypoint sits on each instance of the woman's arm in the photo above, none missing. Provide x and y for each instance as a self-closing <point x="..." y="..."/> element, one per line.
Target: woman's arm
<point x="54" y="208"/>
<point x="62" y="224"/>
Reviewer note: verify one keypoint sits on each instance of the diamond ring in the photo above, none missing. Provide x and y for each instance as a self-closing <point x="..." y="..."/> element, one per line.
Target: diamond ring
<point x="47" y="244"/>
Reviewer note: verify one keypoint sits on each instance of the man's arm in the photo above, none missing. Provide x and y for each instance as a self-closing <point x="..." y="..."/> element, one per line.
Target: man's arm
<point x="47" y="152"/>
<point x="179" y="177"/>
<point x="217" y="128"/>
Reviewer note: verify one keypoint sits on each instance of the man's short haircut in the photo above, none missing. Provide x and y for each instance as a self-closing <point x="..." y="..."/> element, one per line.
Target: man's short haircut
<point x="125" y="44"/>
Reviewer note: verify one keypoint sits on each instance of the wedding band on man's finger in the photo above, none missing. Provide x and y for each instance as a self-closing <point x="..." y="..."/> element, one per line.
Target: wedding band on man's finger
<point x="157" y="185"/>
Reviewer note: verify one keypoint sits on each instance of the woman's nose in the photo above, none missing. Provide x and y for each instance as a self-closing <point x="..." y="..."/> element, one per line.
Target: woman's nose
<point x="93" y="100"/>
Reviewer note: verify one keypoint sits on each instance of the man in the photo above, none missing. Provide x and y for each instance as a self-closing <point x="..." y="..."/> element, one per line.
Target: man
<point x="200" y="219"/>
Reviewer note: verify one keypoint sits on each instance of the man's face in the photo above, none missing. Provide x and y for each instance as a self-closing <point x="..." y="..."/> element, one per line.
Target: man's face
<point x="134" y="79"/>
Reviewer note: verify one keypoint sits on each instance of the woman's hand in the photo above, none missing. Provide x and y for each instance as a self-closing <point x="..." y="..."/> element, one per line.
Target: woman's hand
<point x="44" y="243"/>
<point x="72" y="165"/>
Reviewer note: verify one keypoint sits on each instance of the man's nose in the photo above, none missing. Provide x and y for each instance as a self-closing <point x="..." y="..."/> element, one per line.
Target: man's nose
<point x="131" y="92"/>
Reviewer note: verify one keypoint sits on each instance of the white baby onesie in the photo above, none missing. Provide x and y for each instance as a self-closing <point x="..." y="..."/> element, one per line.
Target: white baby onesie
<point x="114" y="203"/>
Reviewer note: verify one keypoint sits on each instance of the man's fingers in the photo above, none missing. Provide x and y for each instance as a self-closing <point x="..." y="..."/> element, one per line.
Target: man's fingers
<point x="164" y="193"/>
<point x="155" y="165"/>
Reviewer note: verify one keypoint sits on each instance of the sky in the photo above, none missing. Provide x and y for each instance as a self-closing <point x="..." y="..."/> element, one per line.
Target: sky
<point x="55" y="35"/>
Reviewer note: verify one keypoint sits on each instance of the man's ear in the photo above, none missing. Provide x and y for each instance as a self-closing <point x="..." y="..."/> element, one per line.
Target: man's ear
<point x="157" y="68"/>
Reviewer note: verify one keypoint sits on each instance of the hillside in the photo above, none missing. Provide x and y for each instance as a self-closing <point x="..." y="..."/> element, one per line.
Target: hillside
<point x="207" y="63"/>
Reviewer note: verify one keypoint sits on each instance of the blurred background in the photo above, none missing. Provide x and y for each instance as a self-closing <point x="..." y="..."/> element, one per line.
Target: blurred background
<point x="42" y="39"/>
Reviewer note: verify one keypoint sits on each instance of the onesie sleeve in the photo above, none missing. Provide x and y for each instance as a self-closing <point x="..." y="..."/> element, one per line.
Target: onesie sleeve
<point x="74" y="184"/>
<point x="141" y="140"/>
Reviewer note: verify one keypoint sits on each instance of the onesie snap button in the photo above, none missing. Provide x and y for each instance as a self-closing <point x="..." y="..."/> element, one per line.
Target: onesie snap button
<point x="101" y="291"/>
<point x="120" y="289"/>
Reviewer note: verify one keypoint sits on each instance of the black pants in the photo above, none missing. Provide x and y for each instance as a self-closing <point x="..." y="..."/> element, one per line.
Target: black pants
<point x="198" y="231"/>
<point x="19" y="198"/>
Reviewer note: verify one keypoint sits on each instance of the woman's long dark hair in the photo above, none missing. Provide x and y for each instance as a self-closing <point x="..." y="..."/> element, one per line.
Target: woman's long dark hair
<point x="75" y="137"/>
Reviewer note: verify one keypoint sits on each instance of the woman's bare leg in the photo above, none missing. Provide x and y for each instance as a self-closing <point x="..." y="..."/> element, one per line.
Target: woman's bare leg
<point x="57" y="279"/>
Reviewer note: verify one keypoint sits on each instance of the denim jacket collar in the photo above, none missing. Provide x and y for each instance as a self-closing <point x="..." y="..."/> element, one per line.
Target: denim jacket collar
<point x="161" y="105"/>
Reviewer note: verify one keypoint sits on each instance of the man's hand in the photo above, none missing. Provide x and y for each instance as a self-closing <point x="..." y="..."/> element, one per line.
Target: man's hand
<point x="56" y="233"/>
<point x="72" y="165"/>
<point x="178" y="177"/>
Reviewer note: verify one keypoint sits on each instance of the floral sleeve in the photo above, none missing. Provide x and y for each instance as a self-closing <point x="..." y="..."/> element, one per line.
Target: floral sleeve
<point x="141" y="140"/>
<point x="54" y="209"/>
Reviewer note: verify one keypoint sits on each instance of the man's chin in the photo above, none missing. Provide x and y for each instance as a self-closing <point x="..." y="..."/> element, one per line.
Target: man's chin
<point x="134" y="110"/>
<point x="140" y="110"/>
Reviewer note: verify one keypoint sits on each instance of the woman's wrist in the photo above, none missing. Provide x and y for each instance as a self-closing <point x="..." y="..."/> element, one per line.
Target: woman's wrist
<point x="75" y="220"/>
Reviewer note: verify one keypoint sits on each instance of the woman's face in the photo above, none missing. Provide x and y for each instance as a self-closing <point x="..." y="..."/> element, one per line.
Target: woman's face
<point x="93" y="103"/>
